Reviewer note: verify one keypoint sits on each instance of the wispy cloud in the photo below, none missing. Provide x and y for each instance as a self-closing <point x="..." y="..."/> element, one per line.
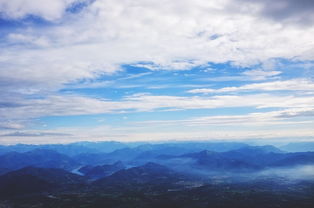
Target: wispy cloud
<point x="281" y="117"/>
<point x="34" y="134"/>
<point x="258" y="74"/>
<point x="79" y="105"/>
<point x="11" y="125"/>
<point x="288" y="85"/>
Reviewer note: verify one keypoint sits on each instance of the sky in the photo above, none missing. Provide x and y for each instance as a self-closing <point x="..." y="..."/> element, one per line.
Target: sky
<point x="144" y="70"/>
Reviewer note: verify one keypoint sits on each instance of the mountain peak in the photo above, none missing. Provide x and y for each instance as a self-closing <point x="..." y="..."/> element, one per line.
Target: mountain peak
<point x="201" y="154"/>
<point x="261" y="149"/>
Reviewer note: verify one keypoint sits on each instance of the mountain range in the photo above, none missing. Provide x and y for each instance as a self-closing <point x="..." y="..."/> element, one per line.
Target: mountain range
<point x="156" y="175"/>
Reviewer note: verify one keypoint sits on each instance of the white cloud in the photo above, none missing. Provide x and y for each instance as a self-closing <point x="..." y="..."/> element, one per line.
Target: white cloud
<point x="258" y="74"/>
<point x="49" y="10"/>
<point x="18" y="38"/>
<point x="171" y="35"/>
<point x="11" y="125"/>
<point x="288" y="85"/>
<point x="271" y="118"/>
<point x="298" y="12"/>
<point x="38" y="61"/>
<point x="56" y="105"/>
<point x="179" y="130"/>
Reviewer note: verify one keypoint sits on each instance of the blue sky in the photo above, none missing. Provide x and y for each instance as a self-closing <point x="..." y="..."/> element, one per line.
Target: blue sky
<point x="73" y="70"/>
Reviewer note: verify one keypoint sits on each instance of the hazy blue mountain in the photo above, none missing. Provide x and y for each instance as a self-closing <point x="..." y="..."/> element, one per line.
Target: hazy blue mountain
<point x="92" y="158"/>
<point x="213" y="146"/>
<point x="39" y="158"/>
<point x="260" y="156"/>
<point x="151" y="173"/>
<point x="187" y="147"/>
<point x="218" y="162"/>
<point x="259" y="149"/>
<point x="124" y="155"/>
<point x="97" y="153"/>
<point x="250" y="158"/>
<point x="17" y="148"/>
<point x="100" y="171"/>
<point x="105" y="147"/>
<point x="67" y="149"/>
<point x="150" y="152"/>
<point x="298" y="147"/>
<point x="294" y="159"/>
<point x="184" y="156"/>
<point x="269" y="156"/>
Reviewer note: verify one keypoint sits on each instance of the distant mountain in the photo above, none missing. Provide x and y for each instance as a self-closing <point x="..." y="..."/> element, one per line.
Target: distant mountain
<point x="124" y="155"/>
<point x="199" y="146"/>
<point x="218" y="162"/>
<point x="250" y="158"/>
<point x="103" y="147"/>
<point x="152" y="152"/>
<point x="295" y="159"/>
<point x="269" y="156"/>
<point x="299" y="147"/>
<point x="259" y="149"/>
<point x="92" y="159"/>
<point x="31" y="180"/>
<point x="98" y="153"/>
<point x="67" y="149"/>
<point x="180" y="148"/>
<point x="150" y="173"/>
<point x="147" y="172"/>
<point x="101" y="171"/>
<point x="184" y="156"/>
<point x="256" y="156"/>
<point x="217" y="146"/>
<point x="39" y="158"/>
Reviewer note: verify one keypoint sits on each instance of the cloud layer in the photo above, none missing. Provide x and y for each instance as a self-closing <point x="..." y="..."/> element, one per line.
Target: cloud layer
<point x="49" y="10"/>
<point x="53" y="51"/>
